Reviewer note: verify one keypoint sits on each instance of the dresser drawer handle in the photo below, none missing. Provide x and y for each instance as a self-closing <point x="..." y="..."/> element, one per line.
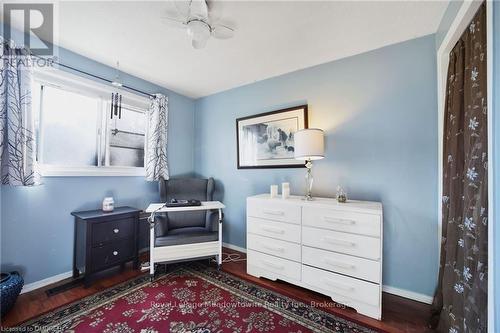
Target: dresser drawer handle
<point x="273" y="265"/>
<point x="338" y="264"/>
<point x="273" y="212"/>
<point x="338" y="242"/>
<point x="273" y="230"/>
<point x="115" y="253"/>
<point x="338" y="221"/>
<point x="273" y="248"/>
<point x="338" y="285"/>
<point x="116" y="230"/>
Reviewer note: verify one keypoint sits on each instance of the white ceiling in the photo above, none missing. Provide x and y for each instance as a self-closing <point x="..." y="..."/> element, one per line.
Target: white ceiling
<point x="271" y="38"/>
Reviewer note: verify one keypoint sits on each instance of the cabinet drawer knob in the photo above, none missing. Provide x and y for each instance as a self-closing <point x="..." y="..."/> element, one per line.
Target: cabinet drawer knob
<point x="115" y="253"/>
<point x="338" y="263"/>
<point x="273" y="248"/>
<point x="273" y="212"/>
<point x="338" y="241"/>
<point x="116" y="230"/>
<point x="338" y="221"/>
<point x="273" y="230"/>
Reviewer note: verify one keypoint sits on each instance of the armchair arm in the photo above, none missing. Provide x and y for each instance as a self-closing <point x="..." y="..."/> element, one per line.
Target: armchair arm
<point x="213" y="220"/>
<point x="161" y="225"/>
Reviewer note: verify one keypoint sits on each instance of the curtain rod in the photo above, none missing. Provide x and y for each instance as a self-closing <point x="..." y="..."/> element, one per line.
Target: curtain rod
<point x="97" y="77"/>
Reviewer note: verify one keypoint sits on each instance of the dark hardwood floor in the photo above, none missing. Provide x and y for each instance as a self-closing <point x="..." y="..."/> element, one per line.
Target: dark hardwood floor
<point x="399" y="314"/>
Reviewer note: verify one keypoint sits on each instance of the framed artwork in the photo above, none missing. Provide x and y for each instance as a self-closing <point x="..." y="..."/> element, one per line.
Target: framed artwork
<point x="266" y="140"/>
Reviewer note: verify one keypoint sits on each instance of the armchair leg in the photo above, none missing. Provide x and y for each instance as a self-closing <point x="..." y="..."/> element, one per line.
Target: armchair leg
<point x="151" y="277"/>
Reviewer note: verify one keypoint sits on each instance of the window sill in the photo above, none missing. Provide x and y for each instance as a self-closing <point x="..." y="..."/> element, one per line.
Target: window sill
<point x="89" y="171"/>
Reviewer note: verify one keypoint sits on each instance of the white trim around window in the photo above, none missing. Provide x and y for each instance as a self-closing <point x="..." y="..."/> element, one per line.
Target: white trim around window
<point x="90" y="171"/>
<point x="85" y="86"/>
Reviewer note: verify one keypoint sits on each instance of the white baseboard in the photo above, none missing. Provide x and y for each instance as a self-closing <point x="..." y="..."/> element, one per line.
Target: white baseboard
<point x="45" y="282"/>
<point x="408" y="294"/>
<point x="234" y="247"/>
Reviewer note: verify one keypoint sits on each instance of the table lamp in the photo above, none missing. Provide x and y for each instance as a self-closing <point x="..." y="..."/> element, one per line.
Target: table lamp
<point x="309" y="146"/>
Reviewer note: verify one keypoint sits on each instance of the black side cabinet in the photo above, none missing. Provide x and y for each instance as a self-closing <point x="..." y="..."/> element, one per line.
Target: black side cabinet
<point x="104" y="240"/>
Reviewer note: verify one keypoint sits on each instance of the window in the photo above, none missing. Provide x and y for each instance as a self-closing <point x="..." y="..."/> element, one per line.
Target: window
<point x="125" y="144"/>
<point x="76" y="133"/>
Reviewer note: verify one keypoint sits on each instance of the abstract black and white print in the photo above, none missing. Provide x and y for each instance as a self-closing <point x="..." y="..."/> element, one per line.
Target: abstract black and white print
<point x="273" y="140"/>
<point x="267" y="140"/>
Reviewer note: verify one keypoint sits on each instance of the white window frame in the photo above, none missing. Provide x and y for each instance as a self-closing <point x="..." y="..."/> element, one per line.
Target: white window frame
<point x="81" y="85"/>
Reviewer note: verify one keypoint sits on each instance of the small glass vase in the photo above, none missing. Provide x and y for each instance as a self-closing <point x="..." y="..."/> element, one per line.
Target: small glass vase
<point x="341" y="194"/>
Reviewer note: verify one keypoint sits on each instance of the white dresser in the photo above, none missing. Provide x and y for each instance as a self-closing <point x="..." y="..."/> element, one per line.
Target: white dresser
<point x="332" y="248"/>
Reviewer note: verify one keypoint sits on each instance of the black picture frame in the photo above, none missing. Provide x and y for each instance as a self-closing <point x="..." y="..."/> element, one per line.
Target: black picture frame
<point x="298" y="164"/>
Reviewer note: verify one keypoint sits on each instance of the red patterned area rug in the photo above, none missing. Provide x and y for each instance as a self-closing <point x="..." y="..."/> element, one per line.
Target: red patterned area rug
<point x="192" y="298"/>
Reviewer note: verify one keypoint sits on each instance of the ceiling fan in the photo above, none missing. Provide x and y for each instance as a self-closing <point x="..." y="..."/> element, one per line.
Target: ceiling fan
<point x="200" y="18"/>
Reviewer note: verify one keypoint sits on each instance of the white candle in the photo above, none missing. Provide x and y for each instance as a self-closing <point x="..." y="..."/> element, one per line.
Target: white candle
<point x="274" y="191"/>
<point x="285" y="193"/>
<point x="285" y="190"/>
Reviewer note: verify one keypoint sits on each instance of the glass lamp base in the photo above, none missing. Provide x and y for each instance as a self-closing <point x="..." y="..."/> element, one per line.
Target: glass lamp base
<point x="309" y="181"/>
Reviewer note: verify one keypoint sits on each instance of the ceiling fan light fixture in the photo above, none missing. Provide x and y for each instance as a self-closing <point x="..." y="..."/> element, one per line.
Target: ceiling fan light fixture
<point x="199" y="21"/>
<point x="198" y="43"/>
<point x="199" y="31"/>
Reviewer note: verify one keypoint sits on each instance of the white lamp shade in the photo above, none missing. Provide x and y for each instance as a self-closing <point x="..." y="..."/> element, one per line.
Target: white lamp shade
<point x="309" y="144"/>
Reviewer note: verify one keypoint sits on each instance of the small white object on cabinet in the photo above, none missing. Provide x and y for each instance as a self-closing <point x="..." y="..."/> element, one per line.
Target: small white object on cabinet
<point x="108" y="204"/>
<point x="329" y="247"/>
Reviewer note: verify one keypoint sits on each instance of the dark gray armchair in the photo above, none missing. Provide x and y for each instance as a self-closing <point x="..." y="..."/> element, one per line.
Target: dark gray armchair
<point x="189" y="232"/>
<point x="186" y="227"/>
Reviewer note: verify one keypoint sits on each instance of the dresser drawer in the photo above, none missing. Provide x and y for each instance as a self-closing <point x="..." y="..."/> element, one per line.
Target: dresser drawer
<point x="341" y="263"/>
<point x="111" y="253"/>
<point x="361" y="246"/>
<point x="104" y="232"/>
<point x="334" y="284"/>
<point x="274" y="247"/>
<point x="279" y="230"/>
<point x="274" y="209"/>
<point x="281" y="267"/>
<point x="356" y="223"/>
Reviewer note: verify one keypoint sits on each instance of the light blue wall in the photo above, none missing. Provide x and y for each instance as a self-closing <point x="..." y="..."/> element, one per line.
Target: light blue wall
<point x="496" y="156"/>
<point x="446" y="21"/>
<point x="36" y="226"/>
<point x="379" y="111"/>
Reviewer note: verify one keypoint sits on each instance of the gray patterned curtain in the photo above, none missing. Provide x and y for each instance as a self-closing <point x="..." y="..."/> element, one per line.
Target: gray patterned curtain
<point x="17" y="135"/>
<point x="460" y="304"/>
<point x="156" y="141"/>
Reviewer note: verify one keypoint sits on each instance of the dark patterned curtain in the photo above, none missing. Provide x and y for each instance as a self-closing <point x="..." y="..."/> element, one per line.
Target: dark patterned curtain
<point x="17" y="135"/>
<point x="460" y="304"/>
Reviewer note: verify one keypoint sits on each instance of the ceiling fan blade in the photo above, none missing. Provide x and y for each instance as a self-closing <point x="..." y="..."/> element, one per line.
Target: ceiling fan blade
<point x="220" y="31"/>
<point x="215" y="10"/>
<point x="181" y="7"/>
<point x="198" y="9"/>
<point x="172" y="22"/>
<point x="177" y="10"/>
